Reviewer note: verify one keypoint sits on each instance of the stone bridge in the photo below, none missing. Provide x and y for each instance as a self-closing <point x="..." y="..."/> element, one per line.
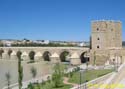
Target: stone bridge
<point x="74" y="54"/>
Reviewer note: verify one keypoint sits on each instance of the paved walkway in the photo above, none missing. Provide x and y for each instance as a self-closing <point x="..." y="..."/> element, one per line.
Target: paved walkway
<point x="65" y="81"/>
<point x="121" y="85"/>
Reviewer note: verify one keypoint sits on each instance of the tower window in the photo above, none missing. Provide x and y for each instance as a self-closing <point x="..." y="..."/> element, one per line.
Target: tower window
<point x="98" y="38"/>
<point x="98" y="47"/>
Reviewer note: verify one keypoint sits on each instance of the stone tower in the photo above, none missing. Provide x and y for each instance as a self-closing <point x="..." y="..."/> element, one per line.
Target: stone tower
<point x="106" y="35"/>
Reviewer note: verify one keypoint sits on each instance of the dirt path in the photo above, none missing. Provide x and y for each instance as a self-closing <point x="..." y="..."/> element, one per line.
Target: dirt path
<point x="65" y="81"/>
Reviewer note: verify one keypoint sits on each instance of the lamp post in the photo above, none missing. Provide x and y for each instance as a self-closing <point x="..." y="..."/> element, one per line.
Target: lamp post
<point x="81" y="74"/>
<point x="87" y="60"/>
<point x="86" y="73"/>
<point x="81" y="79"/>
<point x="114" y="63"/>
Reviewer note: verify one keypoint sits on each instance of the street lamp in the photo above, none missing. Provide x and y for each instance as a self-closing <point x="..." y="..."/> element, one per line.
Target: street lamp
<point x="114" y="63"/>
<point x="81" y="77"/>
<point x="81" y="70"/>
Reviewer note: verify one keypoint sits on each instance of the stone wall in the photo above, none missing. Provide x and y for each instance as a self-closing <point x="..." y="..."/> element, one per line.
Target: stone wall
<point x="12" y="67"/>
<point x="101" y="57"/>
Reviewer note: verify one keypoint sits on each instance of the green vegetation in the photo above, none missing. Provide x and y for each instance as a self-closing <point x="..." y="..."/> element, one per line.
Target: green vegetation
<point x="56" y="81"/>
<point x="88" y="75"/>
<point x="41" y="45"/>
<point x="20" y="69"/>
<point x="57" y="76"/>
<point x="47" y="85"/>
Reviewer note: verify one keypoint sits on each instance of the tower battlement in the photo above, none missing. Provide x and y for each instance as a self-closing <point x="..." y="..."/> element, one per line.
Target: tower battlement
<point x="111" y="21"/>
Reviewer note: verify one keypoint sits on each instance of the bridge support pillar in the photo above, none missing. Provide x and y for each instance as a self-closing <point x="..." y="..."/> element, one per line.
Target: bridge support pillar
<point x="13" y="56"/>
<point x="24" y="57"/>
<point x="55" y="58"/>
<point x="5" y="56"/>
<point x="75" y="59"/>
<point x="38" y="58"/>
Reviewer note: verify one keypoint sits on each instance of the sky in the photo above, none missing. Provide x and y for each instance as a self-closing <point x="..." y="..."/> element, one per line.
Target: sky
<point x="68" y="20"/>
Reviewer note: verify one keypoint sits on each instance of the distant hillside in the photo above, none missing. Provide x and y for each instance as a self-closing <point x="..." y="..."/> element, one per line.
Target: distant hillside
<point x="123" y="43"/>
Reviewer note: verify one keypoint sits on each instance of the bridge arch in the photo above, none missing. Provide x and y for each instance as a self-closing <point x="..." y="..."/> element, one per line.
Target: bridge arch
<point x="9" y="52"/>
<point x="16" y="54"/>
<point x="84" y="57"/>
<point x="32" y="55"/>
<point x="46" y="56"/>
<point x="38" y="56"/>
<point x="64" y="56"/>
<point x="1" y="52"/>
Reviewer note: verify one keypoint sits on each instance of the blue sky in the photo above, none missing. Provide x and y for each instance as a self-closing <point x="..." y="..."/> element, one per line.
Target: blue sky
<point x="56" y="19"/>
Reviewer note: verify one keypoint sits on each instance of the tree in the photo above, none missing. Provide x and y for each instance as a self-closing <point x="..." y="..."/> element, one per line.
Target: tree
<point x="8" y="76"/>
<point x="33" y="72"/>
<point x="9" y="52"/>
<point x="20" y="69"/>
<point x="31" y="55"/>
<point x="30" y="86"/>
<point x="57" y="76"/>
<point x="1" y="52"/>
<point x="49" y="79"/>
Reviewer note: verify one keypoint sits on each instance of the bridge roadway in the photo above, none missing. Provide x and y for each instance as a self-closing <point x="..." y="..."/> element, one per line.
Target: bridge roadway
<point x="50" y="49"/>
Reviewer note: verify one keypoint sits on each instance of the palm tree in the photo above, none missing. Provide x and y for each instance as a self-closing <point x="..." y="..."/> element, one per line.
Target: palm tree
<point x="20" y="69"/>
<point x="8" y="76"/>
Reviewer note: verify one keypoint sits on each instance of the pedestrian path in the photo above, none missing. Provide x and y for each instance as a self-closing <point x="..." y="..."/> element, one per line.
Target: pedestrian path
<point x="65" y="81"/>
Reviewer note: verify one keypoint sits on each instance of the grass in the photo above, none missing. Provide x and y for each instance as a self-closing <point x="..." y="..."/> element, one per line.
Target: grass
<point x="50" y="86"/>
<point x="88" y="75"/>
